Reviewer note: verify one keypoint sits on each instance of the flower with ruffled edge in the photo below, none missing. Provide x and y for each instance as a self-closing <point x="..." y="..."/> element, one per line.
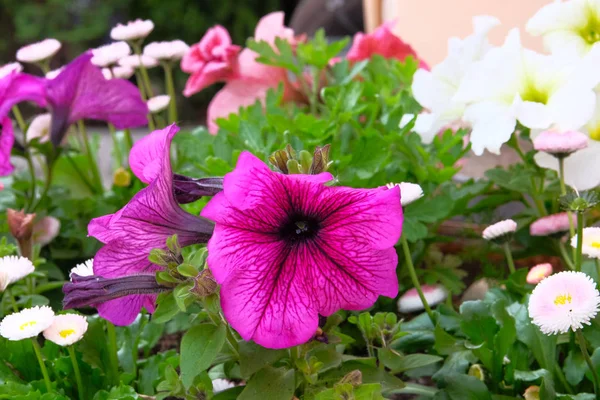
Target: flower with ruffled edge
<point x="39" y="51"/>
<point x="133" y="30"/>
<point x="13" y="269"/>
<point x="409" y="192"/>
<point x="560" y="144"/>
<point x="550" y="225"/>
<point x="26" y="323"/>
<point x="66" y="329"/>
<point x="563" y="301"/>
<point x="500" y="232"/>
<point x="287" y="248"/>
<point x="591" y="242"/>
<point x="538" y="272"/>
<point x="410" y="301"/>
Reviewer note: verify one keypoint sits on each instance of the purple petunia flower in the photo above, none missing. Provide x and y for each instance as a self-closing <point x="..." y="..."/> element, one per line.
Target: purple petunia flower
<point x="17" y="87"/>
<point x="287" y="248"/>
<point x="80" y="91"/>
<point x="7" y="138"/>
<point x="143" y="224"/>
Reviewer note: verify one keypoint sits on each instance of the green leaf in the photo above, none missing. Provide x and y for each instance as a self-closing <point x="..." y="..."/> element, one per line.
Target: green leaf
<point x="199" y="347"/>
<point x="398" y="363"/>
<point x="547" y="383"/>
<point x="254" y="357"/>
<point x="456" y="363"/>
<point x="466" y="387"/>
<point x="121" y="392"/>
<point x="270" y="384"/>
<point x="575" y="367"/>
<point x="167" y="308"/>
<point x="477" y="323"/>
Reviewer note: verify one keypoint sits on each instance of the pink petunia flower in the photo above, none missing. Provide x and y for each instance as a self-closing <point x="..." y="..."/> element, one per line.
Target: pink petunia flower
<point x="550" y="225"/>
<point x="213" y="59"/>
<point x="7" y="139"/>
<point x="538" y="272"/>
<point x="287" y="248"/>
<point x="383" y="42"/>
<point x="16" y="87"/>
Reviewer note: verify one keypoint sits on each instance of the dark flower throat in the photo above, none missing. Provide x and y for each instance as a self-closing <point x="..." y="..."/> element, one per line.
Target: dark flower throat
<point x="299" y="228"/>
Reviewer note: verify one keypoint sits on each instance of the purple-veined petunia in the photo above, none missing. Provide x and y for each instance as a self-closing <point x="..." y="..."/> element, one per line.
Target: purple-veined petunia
<point x="16" y="87"/>
<point x="287" y="248"/>
<point x="145" y="223"/>
<point x="7" y="138"/>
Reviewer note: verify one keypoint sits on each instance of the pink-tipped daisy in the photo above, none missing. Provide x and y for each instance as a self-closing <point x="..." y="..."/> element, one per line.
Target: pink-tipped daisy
<point x="26" y="323"/>
<point x="560" y="144"/>
<point x="13" y="269"/>
<point x="109" y="54"/>
<point x="500" y="232"/>
<point x="538" y="272"/>
<point x="563" y="301"/>
<point x="409" y="192"/>
<point x="591" y="242"/>
<point x="411" y="302"/>
<point x="134" y="61"/>
<point x="133" y="30"/>
<point x="169" y="51"/>
<point x="158" y="103"/>
<point x="10" y="68"/>
<point x="66" y="329"/>
<point x="550" y="225"/>
<point x="118" y="72"/>
<point x="40" y="128"/>
<point x="39" y="51"/>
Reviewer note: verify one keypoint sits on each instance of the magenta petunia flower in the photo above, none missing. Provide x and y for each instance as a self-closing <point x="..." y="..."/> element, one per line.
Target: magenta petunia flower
<point x="16" y="87"/>
<point x="80" y="91"/>
<point x="143" y="224"/>
<point x="7" y="139"/>
<point x="287" y="248"/>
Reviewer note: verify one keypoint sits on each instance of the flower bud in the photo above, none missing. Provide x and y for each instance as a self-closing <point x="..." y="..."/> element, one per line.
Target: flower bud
<point x="353" y="377"/>
<point x="579" y="202"/>
<point x="204" y="284"/>
<point x="288" y="161"/>
<point x="476" y="371"/>
<point x="122" y="177"/>
<point x="20" y="225"/>
<point x="532" y="393"/>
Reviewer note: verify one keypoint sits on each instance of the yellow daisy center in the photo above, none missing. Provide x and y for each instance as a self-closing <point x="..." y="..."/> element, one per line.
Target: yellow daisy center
<point x="27" y="325"/>
<point x="66" y="332"/>
<point x="563" y="299"/>
<point x="595" y="245"/>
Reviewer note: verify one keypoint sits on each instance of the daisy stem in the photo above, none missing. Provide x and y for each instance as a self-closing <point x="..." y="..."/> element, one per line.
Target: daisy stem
<point x="38" y="354"/>
<point x="509" y="258"/>
<point x="23" y="127"/>
<point x="112" y="352"/>
<point x="140" y="84"/>
<point x="116" y="147"/>
<point x="415" y="279"/>
<point x="588" y="360"/>
<point x="88" y="151"/>
<point x="77" y="372"/>
<point x="562" y="379"/>
<point x="563" y="191"/>
<point x="598" y="271"/>
<point x="578" y="253"/>
<point x="13" y="303"/>
<point x="171" y="92"/>
<point x="565" y="255"/>
<point x="137" y="48"/>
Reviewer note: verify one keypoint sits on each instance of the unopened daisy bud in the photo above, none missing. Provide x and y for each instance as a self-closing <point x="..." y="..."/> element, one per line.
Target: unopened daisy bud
<point x="27" y="323"/>
<point x="500" y="232"/>
<point x="13" y="269"/>
<point x="122" y="177"/>
<point x="591" y="242"/>
<point x="10" y="68"/>
<point x="134" y="61"/>
<point x="532" y="393"/>
<point x="83" y="269"/>
<point x="409" y="192"/>
<point x="20" y="226"/>
<point x="411" y="302"/>
<point x="157" y="104"/>
<point x="564" y="301"/>
<point x="40" y="128"/>
<point x="579" y="202"/>
<point x="560" y="144"/>
<point x="551" y="225"/>
<point x="538" y="272"/>
<point x="109" y="54"/>
<point x="66" y="329"/>
<point x="45" y="230"/>
<point x="220" y="385"/>
<point x="353" y="377"/>
<point x="54" y="73"/>
<point x="168" y="51"/>
<point x="204" y="284"/>
<point x="133" y="30"/>
<point x="38" y="52"/>
<point x="477" y="371"/>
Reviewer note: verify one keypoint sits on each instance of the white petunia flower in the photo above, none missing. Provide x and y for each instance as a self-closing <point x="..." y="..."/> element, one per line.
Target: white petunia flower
<point x="84" y="269"/>
<point x="158" y="103"/>
<point x="66" y="329"/>
<point x="134" y="30"/>
<point x="409" y="192"/>
<point x="220" y="385"/>
<point x="39" y="51"/>
<point x="26" y="323"/>
<point x="564" y="301"/>
<point x="171" y="51"/>
<point x="13" y="269"/>
<point x="591" y="242"/>
<point x="40" y="128"/>
<point x="513" y="84"/>
<point x="435" y="89"/>
<point x="134" y="61"/>
<point x="411" y="302"/>
<point x="109" y="54"/>
<point x="54" y="73"/>
<point x="10" y="68"/>
<point x="500" y="231"/>
<point x="567" y="27"/>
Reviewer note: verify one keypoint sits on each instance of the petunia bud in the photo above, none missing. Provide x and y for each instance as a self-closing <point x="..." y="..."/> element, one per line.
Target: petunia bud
<point x="20" y="225"/>
<point x="320" y="162"/>
<point x="290" y="162"/>
<point x="353" y="377"/>
<point x="204" y="284"/>
<point x="122" y="177"/>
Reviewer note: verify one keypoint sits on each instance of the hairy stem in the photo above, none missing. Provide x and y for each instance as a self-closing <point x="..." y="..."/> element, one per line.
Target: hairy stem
<point x="415" y="280"/>
<point x="509" y="258"/>
<point x="80" y="387"/>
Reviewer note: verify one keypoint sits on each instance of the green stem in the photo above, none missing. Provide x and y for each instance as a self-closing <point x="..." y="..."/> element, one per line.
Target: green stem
<point x="578" y="253"/>
<point x="171" y="92"/>
<point x="20" y="120"/>
<point x="80" y="174"/>
<point x="112" y="352"/>
<point x="13" y="303"/>
<point x="77" y="372"/>
<point x="140" y="85"/>
<point x="588" y="361"/>
<point x="128" y="139"/>
<point x="314" y="93"/>
<point x="562" y="379"/>
<point x="38" y="354"/>
<point x="90" y="155"/>
<point x="137" y="48"/>
<point x="46" y="186"/>
<point x="415" y="279"/>
<point x="565" y="255"/>
<point x="509" y="258"/>
<point x="116" y="147"/>
<point x="30" y="166"/>
<point x="563" y="191"/>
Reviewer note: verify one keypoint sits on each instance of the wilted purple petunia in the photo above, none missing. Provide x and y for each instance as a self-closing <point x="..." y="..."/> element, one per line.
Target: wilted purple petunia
<point x="17" y="87"/>
<point x="143" y="224"/>
<point x="80" y="91"/>
<point x="7" y="138"/>
<point x="287" y="248"/>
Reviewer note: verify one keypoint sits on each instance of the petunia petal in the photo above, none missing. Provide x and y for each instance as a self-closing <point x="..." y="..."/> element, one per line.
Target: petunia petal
<point x="16" y="87"/>
<point x="123" y="311"/>
<point x="7" y="139"/>
<point x="146" y="156"/>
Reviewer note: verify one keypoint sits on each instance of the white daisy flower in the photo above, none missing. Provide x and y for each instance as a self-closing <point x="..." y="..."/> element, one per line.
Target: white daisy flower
<point x="134" y="30"/>
<point x="109" y="54"/>
<point x="40" y="128"/>
<point x="26" y="323"/>
<point x="118" y="72"/>
<point x="591" y="242"/>
<point x="39" y="51"/>
<point x="158" y="103"/>
<point x="500" y="231"/>
<point x="411" y="302"/>
<point x="84" y="269"/>
<point x="172" y="51"/>
<point x="563" y="301"/>
<point x="66" y="329"/>
<point x="220" y="385"/>
<point x="13" y="269"/>
<point x="134" y="61"/>
<point x="409" y="192"/>
<point x="10" y="68"/>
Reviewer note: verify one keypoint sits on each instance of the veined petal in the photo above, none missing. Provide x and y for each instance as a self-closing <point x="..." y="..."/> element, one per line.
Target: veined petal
<point x="146" y="156"/>
<point x="124" y="310"/>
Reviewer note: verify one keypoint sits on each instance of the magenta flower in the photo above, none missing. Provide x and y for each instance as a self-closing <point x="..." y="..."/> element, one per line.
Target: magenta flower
<point x="287" y="248"/>
<point x="81" y="92"/>
<point x="17" y="87"/>
<point x="143" y="224"/>
<point x="7" y="139"/>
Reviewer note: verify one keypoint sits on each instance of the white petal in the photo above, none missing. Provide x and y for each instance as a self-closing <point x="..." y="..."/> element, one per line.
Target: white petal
<point x="424" y="88"/>
<point x="559" y="15"/>
<point x="493" y="124"/>
<point x="571" y="107"/>
<point x="531" y="114"/>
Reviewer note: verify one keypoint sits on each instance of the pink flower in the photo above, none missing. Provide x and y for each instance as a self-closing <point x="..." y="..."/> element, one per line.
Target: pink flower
<point x="7" y="139"/>
<point x="538" y="273"/>
<point x="287" y="248"/>
<point x="45" y="230"/>
<point x="213" y="59"/>
<point x="550" y="225"/>
<point x="383" y="42"/>
<point x="16" y="87"/>
<point x="560" y="143"/>
<point x="254" y="79"/>
<point x="411" y="302"/>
